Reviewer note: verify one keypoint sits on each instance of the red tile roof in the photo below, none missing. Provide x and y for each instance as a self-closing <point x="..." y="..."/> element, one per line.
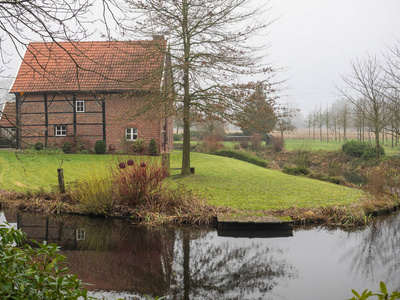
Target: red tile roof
<point x="7" y="115"/>
<point x="91" y="66"/>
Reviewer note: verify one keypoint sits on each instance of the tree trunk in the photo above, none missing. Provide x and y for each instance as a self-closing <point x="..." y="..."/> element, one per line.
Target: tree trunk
<point x="378" y="148"/>
<point x="186" y="97"/>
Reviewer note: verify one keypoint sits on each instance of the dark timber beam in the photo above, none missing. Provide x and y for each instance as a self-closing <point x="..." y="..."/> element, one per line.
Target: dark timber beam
<point x="103" y="106"/>
<point x="74" y="108"/>
<point x="46" y="121"/>
<point x="17" y="121"/>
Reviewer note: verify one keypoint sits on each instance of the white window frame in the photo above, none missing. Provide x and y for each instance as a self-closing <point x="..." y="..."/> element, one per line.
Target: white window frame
<point x="131" y="134"/>
<point x="60" y="130"/>
<point x="80" y="234"/>
<point x="80" y="106"/>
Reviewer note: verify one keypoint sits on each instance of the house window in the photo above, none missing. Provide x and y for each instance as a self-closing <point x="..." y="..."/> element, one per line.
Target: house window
<point x="80" y="234"/>
<point x="60" y="130"/>
<point x="131" y="134"/>
<point x="80" y="106"/>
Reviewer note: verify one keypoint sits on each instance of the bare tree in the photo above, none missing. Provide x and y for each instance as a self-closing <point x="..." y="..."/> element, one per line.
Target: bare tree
<point x="392" y="69"/>
<point x="24" y="21"/>
<point x="286" y="115"/>
<point x="367" y="82"/>
<point x="327" y="120"/>
<point x="209" y="48"/>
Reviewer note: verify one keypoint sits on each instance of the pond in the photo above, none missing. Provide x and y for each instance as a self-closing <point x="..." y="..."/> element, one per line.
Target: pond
<point x="122" y="260"/>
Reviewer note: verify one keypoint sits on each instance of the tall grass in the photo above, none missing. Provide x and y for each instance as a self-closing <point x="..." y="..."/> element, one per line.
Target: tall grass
<point x="95" y="195"/>
<point x="302" y="155"/>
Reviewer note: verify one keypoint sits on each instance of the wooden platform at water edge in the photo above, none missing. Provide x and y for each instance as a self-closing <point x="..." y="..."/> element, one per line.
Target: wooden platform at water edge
<point x="250" y="226"/>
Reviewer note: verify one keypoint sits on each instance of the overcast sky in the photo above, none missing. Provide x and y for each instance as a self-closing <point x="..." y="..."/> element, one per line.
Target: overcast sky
<point x="316" y="39"/>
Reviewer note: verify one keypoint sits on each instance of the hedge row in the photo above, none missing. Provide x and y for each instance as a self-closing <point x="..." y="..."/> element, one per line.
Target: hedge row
<point x="240" y="155"/>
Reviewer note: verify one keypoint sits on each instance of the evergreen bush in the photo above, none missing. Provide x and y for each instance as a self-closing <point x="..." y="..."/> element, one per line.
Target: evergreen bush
<point x="298" y="170"/>
<point x="364" y="150"/>
<point x="355" y="148"/>
<point x="66" y="147"/>
<point x="100" y="147"/>
<point x="39" y="146"/>
<point x="177" y="137"/>
<point x="153" y="151"/>
<point x="138" y="146"/>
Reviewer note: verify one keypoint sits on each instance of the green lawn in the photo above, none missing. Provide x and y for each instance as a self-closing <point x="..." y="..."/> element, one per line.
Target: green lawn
<point x="40" y="171"/>
<point x="224" y="181"/>
<point x="245" y="186"/>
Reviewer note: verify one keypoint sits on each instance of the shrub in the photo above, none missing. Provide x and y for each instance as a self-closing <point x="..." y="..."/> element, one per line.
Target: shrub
<point x="39" y="146"/>
<point x="130" y="162"/>
<point x="78" y="144"/>
<point x="364" y="150"/>
<point x="138" y="146"/>
<point x="244" y="144"/>
<point x="321" y="177"/>
<point x="85" y="151"/>
<point x="240" y="155"/>
<point x="122" y="165"/>
<point x="278" y="143"/>
<point x="354" y="178"/>
<point x="210" y="145"/>
<point x="370" y="153"/>
<point x="153" y="151"/>
<point x="100" y="147"/>
<point x="138" y="183"/>
<point x="34" y="273"/>
<point x="298" y="170"/>
<point x="355" y="148"/>
<point x="96" y="196"/>
<point x="255" y="142"/>
<point x="177" y="137"/>
<point x="66" y="147"/>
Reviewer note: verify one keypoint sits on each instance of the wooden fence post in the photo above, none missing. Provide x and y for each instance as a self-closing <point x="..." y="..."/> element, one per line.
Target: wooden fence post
<point x="166" y="162"/>
<point x="61" y="183"/>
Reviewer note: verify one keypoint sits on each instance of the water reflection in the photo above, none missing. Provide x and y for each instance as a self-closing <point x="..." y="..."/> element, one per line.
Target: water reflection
<point x="376" y="248"/>
<point x="210" y="267"/>
<point x="188" y="263"/>
<point x="109" y="254"/>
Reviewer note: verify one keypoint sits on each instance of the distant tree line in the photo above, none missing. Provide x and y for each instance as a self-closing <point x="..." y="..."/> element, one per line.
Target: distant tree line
<point x="369" y="104"/>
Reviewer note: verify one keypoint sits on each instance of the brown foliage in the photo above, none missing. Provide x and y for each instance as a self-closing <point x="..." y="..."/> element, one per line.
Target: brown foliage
<point x="279" y="143"/>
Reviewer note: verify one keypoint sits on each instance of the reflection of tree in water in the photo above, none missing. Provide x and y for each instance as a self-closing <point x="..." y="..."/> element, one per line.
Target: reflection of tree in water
<point x="206" y="269"/>
<point x="377" y="248"/>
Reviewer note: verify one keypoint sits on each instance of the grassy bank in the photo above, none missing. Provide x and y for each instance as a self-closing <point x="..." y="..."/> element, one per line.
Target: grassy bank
<point x="224" y="182"/>
<point x="244" y="186"/>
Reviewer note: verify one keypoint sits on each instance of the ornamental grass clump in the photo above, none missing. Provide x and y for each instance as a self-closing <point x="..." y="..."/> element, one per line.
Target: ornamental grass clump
<point x="137" y="183"/>
<point x="95" y="196"/>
